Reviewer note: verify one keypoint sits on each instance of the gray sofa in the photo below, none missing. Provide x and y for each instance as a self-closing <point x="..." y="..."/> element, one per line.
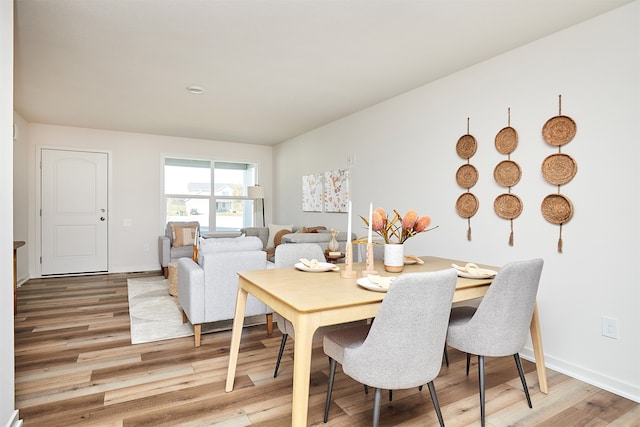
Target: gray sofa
<point x="320" y="237"/>
<point x="207" y="289"/>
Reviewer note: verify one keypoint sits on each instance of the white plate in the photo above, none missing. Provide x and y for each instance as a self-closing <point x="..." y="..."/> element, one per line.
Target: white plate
<point x="367" y="284"/>
<point x="483" y="273"/>
<point x="322" y="266"/>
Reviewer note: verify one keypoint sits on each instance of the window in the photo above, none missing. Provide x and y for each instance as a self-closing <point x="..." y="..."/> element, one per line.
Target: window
<point x="188" y="196"/>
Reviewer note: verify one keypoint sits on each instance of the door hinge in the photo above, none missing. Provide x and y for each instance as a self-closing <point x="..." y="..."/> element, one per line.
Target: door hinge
<point x="40" y="260"/>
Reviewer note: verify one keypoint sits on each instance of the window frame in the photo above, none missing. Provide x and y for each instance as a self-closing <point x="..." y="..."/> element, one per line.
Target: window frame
<point x="249" y="205"/>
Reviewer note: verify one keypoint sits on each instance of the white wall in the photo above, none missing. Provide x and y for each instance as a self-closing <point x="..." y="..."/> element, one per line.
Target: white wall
<point x="405" y="151"/>
<point x="21" y="195"/>
<point x="8" y="414"/>
<point x="135" y="184"/>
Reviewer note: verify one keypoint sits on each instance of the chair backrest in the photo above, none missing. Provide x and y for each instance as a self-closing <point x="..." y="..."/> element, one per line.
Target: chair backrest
<point x="500" y="325"/>
<point x="287" y="255"/>
<point x="405" y="342"/>
<point x="179" y="225"/>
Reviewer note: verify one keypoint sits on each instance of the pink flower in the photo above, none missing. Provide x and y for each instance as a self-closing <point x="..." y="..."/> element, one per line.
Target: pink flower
<point x="422" y="224"/>
<point x="409" y="220"/>
<point x="382" y="213"/>
<point x="377" y="221"/>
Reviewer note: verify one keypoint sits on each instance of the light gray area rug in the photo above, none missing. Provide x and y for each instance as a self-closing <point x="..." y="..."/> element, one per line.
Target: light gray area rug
<point x="155" y="315"/>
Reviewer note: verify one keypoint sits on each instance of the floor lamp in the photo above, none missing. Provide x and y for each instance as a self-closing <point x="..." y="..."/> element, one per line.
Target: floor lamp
<point x="256" y="192"/>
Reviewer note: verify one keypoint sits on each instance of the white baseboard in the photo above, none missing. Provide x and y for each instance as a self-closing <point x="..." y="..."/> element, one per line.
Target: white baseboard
<point x="621" y="388"/>
<point x="14" y="420"/>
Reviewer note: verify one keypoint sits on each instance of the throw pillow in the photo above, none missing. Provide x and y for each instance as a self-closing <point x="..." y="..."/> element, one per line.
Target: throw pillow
<point x="277" y="239"/>
<point x="183" y="235"/>
<point x="315" y="229"/>
<point x="273" y="230"/>
<point x="302" y="229"/>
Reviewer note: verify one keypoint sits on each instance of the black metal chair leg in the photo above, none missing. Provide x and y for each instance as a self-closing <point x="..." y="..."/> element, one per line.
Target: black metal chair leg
<point x="522" y="379"/>
<point x="446" y="355"/>
<point x="434" y="399"/>
<point x="390" y="395"/>
<point x="468" y="362"/>
<point x="332" y="374"/>
<point x="481" y="378"/>
<point x="282" y="344"/>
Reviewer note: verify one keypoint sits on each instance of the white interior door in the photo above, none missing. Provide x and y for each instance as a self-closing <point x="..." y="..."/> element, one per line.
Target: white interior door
<point x="74" y="216"/>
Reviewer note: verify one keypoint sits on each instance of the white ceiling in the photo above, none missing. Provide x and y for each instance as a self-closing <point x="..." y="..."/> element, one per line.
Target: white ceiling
<point x="272" y="69"/>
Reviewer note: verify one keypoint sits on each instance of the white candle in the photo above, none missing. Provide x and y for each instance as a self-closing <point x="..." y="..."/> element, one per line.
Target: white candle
<point x="349" y="223"/>
<point x="370" y="220"/>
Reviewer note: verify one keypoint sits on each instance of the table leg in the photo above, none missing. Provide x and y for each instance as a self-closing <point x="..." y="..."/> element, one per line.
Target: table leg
<point x="236" y="335"/>
<point x="536" y="339"/>
<point x="303" y="347"/>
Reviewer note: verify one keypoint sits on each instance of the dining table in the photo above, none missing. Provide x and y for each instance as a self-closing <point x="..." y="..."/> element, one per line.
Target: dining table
<point x="314" y="299"/>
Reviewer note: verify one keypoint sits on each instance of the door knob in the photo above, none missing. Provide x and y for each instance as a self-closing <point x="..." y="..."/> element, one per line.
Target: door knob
<point x="102" y="218"/>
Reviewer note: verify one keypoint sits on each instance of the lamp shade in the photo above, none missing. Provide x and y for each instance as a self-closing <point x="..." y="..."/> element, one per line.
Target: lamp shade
<point x="255" y="192"/>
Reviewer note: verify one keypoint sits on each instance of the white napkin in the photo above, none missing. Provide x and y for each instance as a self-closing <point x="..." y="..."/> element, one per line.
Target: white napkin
<point x="473" y="269"/>
<point x="381" y="281"/>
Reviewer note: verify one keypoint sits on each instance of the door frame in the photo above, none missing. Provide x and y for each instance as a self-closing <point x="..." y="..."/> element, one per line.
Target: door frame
<point x="37" y="236"/>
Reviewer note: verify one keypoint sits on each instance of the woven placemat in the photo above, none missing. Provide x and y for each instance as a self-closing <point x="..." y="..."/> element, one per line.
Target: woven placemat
<point x="466" y="146"/>
<point x="467" y="176"/>
<point x="559" y="168"/>
<point x="559" y="130"/>
<point x="557" y="208"/>
<point x="506" y="140"/>
<point x="507" y="173"/>
<point x="467" y="205"/>
<point x="508" y="206"/>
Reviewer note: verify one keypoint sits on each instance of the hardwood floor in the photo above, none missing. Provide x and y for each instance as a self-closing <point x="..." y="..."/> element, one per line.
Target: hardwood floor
<point x="75" y="366"/>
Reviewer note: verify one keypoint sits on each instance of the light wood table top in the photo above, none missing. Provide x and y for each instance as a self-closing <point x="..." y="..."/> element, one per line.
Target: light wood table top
<point x="312" y="300"/>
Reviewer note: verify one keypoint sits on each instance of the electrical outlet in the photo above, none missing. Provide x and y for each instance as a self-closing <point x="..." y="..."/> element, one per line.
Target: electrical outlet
<point x="609" y="327"/>
<point x="145" y="248"/>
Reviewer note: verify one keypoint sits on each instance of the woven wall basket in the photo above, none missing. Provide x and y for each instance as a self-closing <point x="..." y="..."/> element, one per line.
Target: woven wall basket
<point x="466" y="146"/>
<point x="507" y="173"/>
<point x="557" y="209"/>
<point x="559" y="130"/>
<point x="506" y="140"/>
<point x="508" y="206"/>
<point x="467" y="205"/>
<point x="559" y="168"/>
<point x="467" y="176"/>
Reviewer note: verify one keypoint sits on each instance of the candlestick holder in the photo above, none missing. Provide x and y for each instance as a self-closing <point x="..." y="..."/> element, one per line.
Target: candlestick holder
<point x="368" y="269"/>
<point x="348" y="272"/>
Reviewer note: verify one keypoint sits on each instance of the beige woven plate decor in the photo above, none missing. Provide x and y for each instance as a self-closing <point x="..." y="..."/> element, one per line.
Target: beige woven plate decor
<point x="507" y="173"/>
<point x="557" y="208"/>
<point x="467" y="205"/>
<point x="466" y="146"/>
<point x="506" y="140"/>
<point x="559" y="130"/>
<point x="467" y="176"/>
<point x="559" y="168"/>
<point x="508" y="206"/>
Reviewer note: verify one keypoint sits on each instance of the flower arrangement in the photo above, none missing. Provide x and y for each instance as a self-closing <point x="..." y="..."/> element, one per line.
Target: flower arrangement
<point x="398" y="229"/>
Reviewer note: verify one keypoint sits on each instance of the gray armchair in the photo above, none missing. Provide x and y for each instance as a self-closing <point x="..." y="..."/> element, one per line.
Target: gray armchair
<point x="403" y="346"/>
<point x="174" y="245"/>
<point x="500" y="325"/>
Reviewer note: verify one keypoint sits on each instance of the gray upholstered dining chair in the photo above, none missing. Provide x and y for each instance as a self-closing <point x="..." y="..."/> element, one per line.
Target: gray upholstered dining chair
<point x="402" y="348"/>
<point x="500" y="325"/>
<point x="287" y="255"/>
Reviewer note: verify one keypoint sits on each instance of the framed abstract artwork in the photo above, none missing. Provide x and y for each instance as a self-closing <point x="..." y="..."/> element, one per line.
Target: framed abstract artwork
<point x="336" y="191"/>
<point x="312" y="193"/>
